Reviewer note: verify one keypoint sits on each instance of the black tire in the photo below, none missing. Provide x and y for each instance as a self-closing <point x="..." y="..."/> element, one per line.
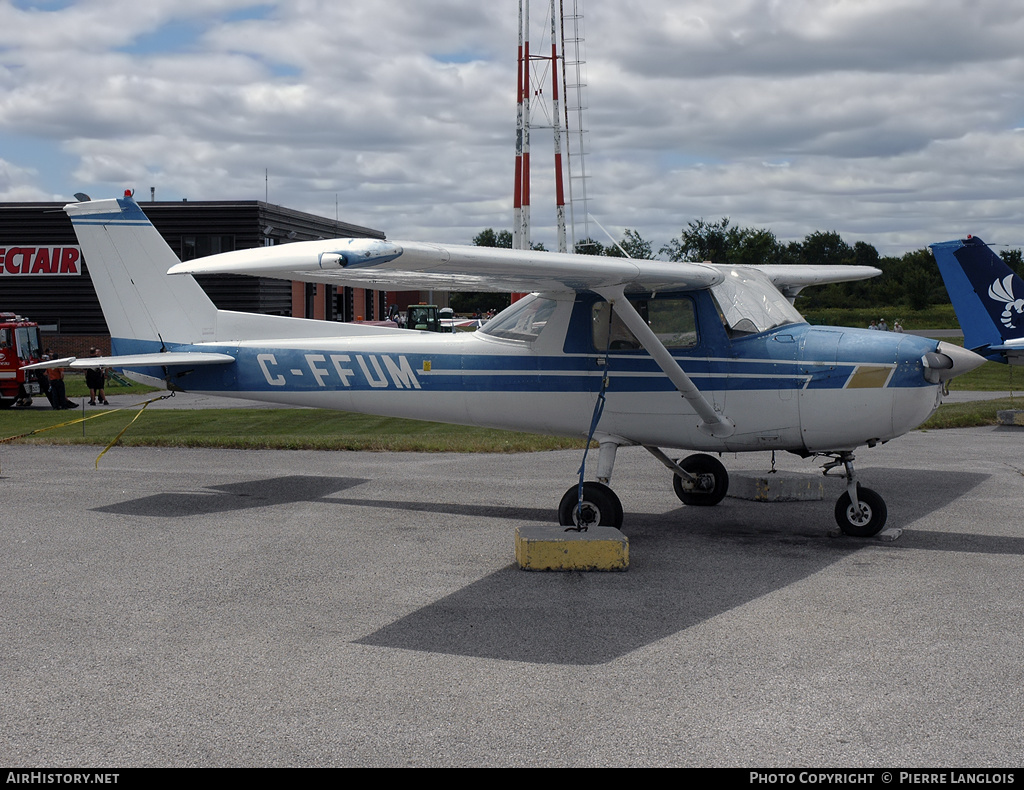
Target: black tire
<point x="600" y="507"/>
<point x="869" y="521"/>
<point x="712" y="472"/>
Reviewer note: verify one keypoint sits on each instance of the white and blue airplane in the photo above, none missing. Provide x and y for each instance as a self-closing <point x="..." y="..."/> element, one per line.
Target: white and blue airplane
<point x="988" y="298"/>
<point x="689" y="356"/>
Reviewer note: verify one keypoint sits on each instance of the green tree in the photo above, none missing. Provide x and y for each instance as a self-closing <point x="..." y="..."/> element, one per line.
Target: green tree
<point x="488" y="238"/>
<point x="826" y="248"/>
<point x="700" y="241"/>
<point x="482" y="301"/>
<point x="919" y="281"/>
<point x="865" y="254"/>
<point x="722" y="242"/>
<point x="635" y="245"/>
<point x="1014" y="260"/>
<point x="753" y="247"/>
<point x="589" y="247"/>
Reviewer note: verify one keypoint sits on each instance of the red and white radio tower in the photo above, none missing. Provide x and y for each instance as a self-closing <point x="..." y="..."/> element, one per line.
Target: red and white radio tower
<point x="534" y="71"/>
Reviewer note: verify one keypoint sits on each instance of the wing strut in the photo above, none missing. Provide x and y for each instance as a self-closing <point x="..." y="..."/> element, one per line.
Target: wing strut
<point x="712" y="422"/>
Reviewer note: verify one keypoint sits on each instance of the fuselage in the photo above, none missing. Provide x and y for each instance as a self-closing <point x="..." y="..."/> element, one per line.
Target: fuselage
<point x="541" y="366"/>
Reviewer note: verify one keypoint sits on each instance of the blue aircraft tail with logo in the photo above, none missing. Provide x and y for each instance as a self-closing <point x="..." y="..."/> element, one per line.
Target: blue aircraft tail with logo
<point x="987" y="296"/>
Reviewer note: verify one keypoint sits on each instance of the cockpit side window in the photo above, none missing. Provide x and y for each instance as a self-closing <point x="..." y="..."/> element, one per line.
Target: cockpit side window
<point x="672" y="319"/>
<point x="524" y="320"/>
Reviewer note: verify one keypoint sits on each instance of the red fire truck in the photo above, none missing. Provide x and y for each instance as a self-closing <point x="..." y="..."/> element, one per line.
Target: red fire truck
<point x="19" y="346"/>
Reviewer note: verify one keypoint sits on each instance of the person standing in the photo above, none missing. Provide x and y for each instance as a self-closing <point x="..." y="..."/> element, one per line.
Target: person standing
<point x="58" y="391"/>
<point x="95" y="380"/>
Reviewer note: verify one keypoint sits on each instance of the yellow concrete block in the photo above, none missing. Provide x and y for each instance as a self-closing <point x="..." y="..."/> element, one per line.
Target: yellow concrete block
<point x="553" y="549"/>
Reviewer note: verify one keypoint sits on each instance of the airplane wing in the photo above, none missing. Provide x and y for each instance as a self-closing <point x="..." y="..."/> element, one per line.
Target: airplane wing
<point x="372" y="263"/>
<point x="793" y="279"/>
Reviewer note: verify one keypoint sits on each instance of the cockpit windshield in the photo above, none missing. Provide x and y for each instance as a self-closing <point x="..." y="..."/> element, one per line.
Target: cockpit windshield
<point x="524" y="320"/>
<point x="749" y="303"/>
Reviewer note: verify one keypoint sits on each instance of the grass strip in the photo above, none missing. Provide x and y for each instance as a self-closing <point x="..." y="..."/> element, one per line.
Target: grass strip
<point x="973" y="414"/>
<point x="277" y="429"/>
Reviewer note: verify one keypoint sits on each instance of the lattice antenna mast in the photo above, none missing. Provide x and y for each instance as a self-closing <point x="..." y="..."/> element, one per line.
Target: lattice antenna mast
<point x="521" y="189"/>
<point x="574" y="80"/>
<point x="534" y="71"/>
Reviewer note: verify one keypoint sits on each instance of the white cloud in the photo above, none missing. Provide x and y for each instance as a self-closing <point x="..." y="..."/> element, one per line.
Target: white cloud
<point x="17" y="184"/>
<point x="895" y="119"/>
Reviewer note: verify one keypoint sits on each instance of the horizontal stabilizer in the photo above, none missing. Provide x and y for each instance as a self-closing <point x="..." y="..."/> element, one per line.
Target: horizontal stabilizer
<point x="137" y="360"/>
<point x="63" y="362"/>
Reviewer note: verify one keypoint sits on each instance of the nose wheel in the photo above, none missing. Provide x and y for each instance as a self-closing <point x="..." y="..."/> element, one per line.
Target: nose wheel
<point x="860" y="512"/>
<point x="863" y="519"/>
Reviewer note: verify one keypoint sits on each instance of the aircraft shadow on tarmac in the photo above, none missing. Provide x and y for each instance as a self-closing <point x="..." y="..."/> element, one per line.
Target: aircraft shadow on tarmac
<point x="686" y="565"/>
<point x="234" y="496"/>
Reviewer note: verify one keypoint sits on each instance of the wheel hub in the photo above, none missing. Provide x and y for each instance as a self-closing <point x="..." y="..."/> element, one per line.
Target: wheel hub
<point x="859" y="514"/>
<point x="587" y="515"/>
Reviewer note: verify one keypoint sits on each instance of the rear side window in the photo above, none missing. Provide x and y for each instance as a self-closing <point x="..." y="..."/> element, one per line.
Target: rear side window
<point x="524" y="320"/>
<point x="673" y="320"/>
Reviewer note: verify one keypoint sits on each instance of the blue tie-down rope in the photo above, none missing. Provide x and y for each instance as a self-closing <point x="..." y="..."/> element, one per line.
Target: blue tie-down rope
<point x="598" y="410"/>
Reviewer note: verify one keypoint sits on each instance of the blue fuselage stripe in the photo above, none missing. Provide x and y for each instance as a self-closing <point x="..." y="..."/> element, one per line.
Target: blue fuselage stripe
<point x="311" y="370"/>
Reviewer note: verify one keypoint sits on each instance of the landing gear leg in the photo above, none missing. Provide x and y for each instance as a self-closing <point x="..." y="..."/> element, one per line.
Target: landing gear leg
<point x="860" y="512"/>
<point x="596" y="505"/>
<point x="697" y="479"/>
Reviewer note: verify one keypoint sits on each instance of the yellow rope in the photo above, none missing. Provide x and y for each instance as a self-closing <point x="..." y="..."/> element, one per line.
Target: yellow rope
<point x="58" y="425"/>
<point x="129" y="425"/>
<point x="92" y="417"/>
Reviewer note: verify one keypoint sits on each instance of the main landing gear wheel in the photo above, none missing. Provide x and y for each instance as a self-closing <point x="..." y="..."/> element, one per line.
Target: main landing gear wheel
<point x="865" y="520"/>
<point x="600" y="507"/>
<point x="712" y="481"/>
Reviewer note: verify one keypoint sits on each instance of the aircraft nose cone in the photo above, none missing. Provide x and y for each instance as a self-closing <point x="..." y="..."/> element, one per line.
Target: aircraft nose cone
<point x="949" y="361"/>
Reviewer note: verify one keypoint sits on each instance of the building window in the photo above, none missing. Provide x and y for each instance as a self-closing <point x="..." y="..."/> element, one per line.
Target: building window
<point x="200" y="246"/>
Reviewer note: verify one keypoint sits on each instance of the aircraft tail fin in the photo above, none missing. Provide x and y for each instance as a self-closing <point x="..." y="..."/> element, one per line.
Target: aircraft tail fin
<point x="128" y="261"/>
<point x="986" y="294"/>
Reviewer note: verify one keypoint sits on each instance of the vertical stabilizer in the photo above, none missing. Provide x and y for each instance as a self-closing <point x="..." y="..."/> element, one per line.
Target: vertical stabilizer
<point x="128" y="261"/>
<point x="987" y="296"/>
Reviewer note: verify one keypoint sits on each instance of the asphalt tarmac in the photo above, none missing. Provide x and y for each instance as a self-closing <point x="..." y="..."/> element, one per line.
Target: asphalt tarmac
<point x="232" y="608"/>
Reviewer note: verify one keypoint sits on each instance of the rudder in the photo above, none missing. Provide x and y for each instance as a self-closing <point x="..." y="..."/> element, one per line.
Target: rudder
<point x="986" y="294"/>
<point x="128" y="261"/>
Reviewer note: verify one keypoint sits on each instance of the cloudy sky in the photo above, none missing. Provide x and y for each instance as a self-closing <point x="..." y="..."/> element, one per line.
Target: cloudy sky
<point x="897" y="122"/>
